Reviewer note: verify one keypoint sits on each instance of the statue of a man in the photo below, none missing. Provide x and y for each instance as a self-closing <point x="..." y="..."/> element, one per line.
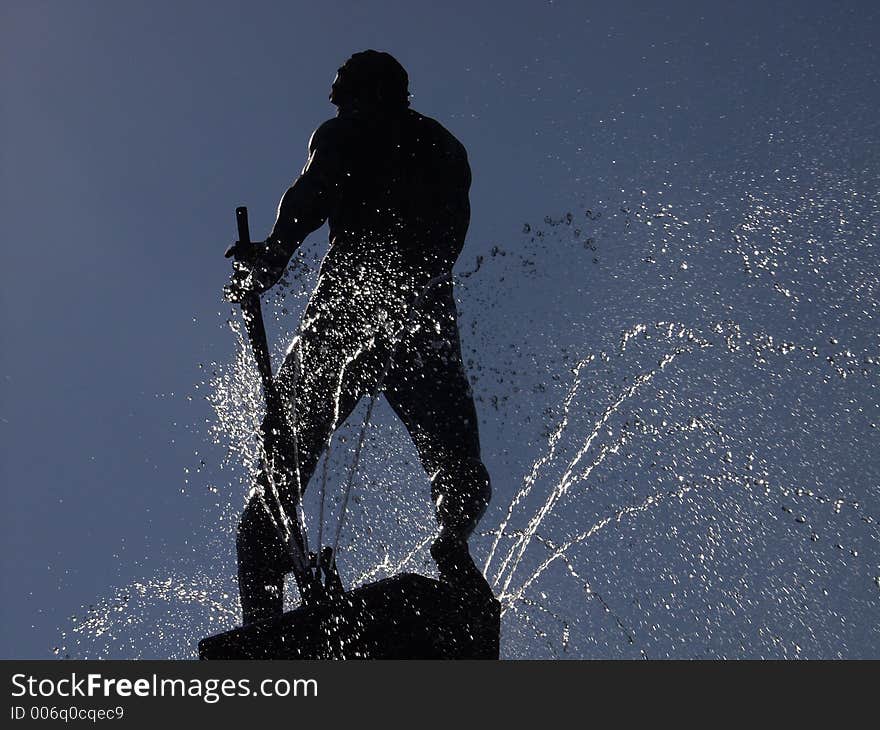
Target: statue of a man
<point x="393" y="185"/>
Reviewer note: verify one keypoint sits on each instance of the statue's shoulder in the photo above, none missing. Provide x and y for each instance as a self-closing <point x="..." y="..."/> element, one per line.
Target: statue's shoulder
<point x="436" y="131"/>
<point x="332" y="133"/>
<point x="441" y="138"/>
<point x="430" y="125"/>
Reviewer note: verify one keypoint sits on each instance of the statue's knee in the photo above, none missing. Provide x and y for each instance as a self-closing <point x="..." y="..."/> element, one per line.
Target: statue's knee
<point x="461" y="493"/>
<point x="254" y="528"/>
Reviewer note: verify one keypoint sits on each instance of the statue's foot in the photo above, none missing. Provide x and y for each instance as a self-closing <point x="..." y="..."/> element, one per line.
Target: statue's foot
<point x="457" y="567"/>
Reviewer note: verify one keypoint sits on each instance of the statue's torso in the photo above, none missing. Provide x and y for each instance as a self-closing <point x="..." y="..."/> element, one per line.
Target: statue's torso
<point x="402" y="197"/>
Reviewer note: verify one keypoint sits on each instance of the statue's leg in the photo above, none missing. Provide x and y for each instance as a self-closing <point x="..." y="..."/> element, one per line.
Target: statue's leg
<point x="429" y="390"/>
<point x="310" y="378"/>
<point x="262" y="561"/>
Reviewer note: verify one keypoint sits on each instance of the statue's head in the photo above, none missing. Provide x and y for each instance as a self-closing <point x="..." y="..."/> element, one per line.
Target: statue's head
<point x="371" y="80"/>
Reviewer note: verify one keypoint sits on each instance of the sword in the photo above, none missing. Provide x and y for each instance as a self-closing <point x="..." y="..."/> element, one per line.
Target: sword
<point x="280" y="439"/>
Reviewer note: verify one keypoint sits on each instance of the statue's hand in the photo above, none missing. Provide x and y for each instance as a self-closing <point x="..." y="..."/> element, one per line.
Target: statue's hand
<point x="257" y="267"/>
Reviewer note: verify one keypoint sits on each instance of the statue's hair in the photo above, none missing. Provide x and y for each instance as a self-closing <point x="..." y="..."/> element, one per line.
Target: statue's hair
<point x="371" y="77"/>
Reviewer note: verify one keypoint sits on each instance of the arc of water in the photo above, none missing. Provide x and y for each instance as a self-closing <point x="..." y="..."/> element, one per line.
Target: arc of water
<point x="300" y="511"/>
<point x="335" y="423"/>
<point x="589" y="590"/>
<point x="514" y="555"/>
<point x="603" y="453"/>
<point x="531" y="477"/>
<point x="508" y="599"/>
<point x="386" y="563"/>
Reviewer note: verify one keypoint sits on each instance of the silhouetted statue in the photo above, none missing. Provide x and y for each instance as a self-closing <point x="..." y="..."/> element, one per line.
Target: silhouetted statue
<point x="393" y="185"/>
